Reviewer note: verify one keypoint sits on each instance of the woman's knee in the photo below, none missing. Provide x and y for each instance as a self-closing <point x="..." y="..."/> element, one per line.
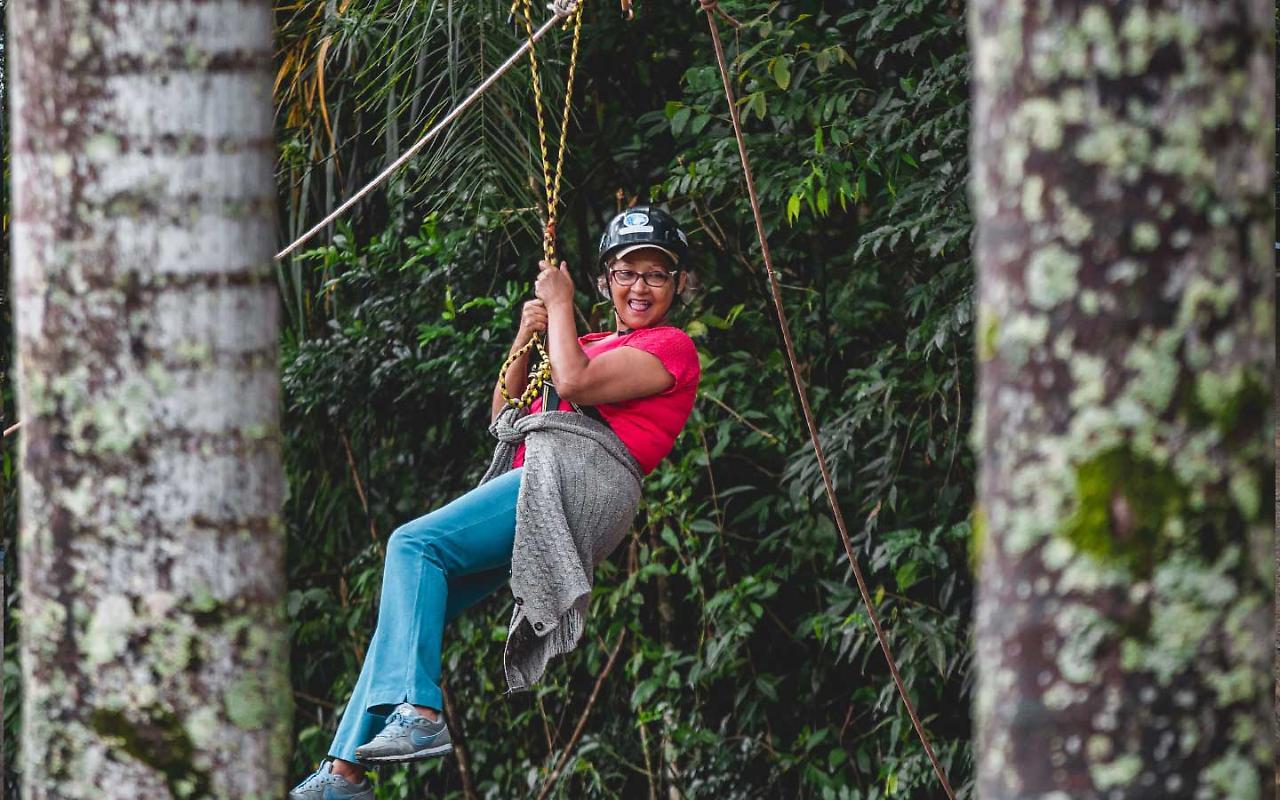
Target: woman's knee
<point x="414" y="540"/>
<point x="405" y="543"/>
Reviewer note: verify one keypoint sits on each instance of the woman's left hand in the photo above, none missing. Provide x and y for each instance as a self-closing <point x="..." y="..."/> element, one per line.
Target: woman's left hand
<point x="554" y="286"/>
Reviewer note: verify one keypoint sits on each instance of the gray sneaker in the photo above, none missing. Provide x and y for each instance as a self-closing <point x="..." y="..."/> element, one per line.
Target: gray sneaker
<point x="408" y="736"/>
<point x="324" y="785"/>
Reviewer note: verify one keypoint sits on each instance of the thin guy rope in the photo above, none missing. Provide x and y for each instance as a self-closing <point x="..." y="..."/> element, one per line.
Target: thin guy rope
<point x="711" y="7"/>
<point x="559" y="13"/>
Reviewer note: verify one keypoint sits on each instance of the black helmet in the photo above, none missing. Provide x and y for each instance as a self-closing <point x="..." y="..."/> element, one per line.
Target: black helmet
<point x="642" y="226"/>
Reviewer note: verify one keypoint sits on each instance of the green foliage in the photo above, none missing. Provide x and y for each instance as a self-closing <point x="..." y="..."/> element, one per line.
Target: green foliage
<point x="750" y="668"/>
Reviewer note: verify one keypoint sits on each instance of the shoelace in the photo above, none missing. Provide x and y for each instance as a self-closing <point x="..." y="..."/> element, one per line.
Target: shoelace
<point x="407" y="719"/>
<point x="396" y="717"/>
<point x="316" y="778"/>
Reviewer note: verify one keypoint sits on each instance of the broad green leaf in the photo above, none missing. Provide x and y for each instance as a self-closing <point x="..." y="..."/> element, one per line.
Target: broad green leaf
<point x="782" y="72"/>
<point x="679" y="119"/>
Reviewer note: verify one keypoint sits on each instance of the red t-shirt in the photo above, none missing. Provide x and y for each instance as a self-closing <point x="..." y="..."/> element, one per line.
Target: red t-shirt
<point x="648" y="426"/>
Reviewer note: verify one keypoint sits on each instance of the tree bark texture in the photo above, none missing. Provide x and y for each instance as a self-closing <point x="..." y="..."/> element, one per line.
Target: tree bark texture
<point x="1122" y="168"/>
<point x="153" y="645"/>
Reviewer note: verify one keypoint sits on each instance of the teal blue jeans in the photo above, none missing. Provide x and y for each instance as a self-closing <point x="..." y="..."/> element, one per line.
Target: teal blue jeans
<point x="437" y="566"/>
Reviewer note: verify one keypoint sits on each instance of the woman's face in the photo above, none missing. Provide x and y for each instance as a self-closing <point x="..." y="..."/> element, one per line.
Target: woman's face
<point x="641" y="305"/>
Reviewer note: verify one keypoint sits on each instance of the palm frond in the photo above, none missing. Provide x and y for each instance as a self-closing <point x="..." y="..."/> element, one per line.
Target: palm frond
<point x="359" y="81"/>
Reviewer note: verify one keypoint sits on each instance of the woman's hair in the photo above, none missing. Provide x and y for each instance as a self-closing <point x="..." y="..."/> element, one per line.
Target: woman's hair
<point x="692" y="286"/>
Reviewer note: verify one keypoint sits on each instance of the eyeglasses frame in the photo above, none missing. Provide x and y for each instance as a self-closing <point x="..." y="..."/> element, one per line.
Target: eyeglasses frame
<point x="640" y="276"/>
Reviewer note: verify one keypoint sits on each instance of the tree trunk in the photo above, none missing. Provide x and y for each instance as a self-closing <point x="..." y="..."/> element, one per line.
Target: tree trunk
<point x="153" y="645"/>
<point x="1122" y="159"/>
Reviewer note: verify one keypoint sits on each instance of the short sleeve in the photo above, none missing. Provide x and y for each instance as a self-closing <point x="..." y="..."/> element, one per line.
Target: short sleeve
<point x="674" y="349"/>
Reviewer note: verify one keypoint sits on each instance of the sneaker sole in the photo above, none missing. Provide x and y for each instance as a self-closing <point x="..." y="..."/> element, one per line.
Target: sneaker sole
<point x="420" y="755"/>
<point x="365" y="795"/>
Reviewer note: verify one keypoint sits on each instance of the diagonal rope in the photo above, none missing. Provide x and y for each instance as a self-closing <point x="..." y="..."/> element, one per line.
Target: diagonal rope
<point x="560" y="12"/>
<point x="711" y="7"/>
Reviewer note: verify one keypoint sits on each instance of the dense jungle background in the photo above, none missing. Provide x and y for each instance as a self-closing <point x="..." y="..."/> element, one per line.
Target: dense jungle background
<point x="746" y="666"/>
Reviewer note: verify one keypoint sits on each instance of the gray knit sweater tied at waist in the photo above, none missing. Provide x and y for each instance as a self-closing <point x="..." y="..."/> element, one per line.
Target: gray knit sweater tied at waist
<point x="578" y="495"/>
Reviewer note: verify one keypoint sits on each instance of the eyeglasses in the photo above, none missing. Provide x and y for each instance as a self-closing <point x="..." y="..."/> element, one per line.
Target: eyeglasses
<point x="656" y="279"/>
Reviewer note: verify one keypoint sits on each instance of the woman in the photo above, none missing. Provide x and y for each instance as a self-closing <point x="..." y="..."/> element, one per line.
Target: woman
<point x="571" y="485"/>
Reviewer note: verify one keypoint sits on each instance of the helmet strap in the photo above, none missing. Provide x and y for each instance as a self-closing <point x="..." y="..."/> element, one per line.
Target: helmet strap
<point x="618" y="327"/>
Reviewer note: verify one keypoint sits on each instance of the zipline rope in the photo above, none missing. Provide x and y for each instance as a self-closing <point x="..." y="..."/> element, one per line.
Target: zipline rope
<point x="551" y="177"/>
<point x="711" y="7"/>
<point x="560" y="11"/>
<point x="540" y="375"/>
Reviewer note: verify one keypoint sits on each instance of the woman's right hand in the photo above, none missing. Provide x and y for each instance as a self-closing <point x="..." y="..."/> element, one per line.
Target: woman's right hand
<point x="533" y="319"/>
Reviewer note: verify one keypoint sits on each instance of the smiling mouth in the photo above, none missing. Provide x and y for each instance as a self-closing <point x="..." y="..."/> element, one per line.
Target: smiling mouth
<point x="639" y="306"/>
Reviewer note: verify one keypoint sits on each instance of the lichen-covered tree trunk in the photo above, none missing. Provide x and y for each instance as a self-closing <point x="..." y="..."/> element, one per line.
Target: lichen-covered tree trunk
<point x="1122" y="158"/>
<point x="153" y="645"/>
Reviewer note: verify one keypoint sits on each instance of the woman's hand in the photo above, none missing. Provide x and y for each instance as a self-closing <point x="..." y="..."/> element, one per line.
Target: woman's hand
<point x="554" y="286"/>
<point x="533" y="319"/>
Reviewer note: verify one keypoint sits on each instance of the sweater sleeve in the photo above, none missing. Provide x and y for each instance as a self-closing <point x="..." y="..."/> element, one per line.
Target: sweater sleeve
<point x="674" y="349"/>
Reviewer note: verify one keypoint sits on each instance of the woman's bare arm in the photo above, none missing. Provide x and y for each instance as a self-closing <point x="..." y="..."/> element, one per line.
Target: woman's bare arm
<point x="625" y="373"/>
<point x="517" y="378"/>
<point x="622" y="374"/>
<point x="533" y="319"/>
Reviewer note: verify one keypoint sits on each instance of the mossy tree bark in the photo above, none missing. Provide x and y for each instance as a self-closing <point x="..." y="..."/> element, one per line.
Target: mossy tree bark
<point x="1122" y="159"/>
<point x="153" y="644"/>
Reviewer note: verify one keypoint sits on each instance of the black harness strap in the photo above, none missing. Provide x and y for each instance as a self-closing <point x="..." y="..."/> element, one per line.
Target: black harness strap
<point x="551" y="398"/>
<point x="551" y="402"/>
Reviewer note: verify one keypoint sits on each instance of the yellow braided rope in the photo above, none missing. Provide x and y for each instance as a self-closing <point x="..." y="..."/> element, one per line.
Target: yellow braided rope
<point x="535" y="78"/>
<point x="551" y="186"/>
<point x="553" y="198"/>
